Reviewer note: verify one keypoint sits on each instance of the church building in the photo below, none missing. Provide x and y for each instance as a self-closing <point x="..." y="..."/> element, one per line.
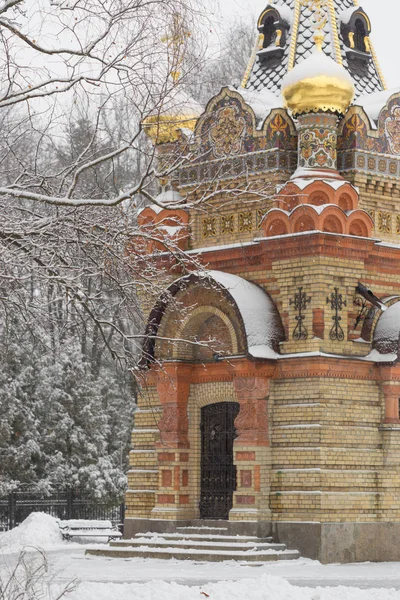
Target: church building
<point x="270" y="371"/>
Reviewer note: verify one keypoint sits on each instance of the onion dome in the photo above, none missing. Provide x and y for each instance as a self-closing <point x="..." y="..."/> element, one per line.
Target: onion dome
<point x="178" y="112"/>
<point x="318" y="84"/>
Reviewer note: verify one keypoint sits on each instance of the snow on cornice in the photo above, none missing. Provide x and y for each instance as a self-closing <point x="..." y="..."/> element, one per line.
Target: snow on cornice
<point x="261" y="102"/>
<point x="373" y="103"/>
<point x="259" y="314"/>
<point x="345" y="16"/>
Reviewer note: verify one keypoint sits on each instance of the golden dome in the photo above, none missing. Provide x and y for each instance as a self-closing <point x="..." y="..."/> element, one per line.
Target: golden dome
<point x="318" y="84"/>
<point x="178" y="112"/>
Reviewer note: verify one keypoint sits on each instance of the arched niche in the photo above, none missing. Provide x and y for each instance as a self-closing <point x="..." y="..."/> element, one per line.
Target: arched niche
<point x="225" y="313"/>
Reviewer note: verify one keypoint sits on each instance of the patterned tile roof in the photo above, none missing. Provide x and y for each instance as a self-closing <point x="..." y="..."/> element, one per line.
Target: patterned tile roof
<point x="367" y="79"/>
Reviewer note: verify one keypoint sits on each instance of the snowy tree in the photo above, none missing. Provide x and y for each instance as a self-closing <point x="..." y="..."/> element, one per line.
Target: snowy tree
<point x="60" y="425"/>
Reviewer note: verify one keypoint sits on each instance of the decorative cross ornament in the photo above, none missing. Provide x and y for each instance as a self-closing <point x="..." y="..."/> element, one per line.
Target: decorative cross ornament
<point x="337" y="303"/>
<point x="319" y="18"/>
<point x="176" y="40"/>
<point x="300" y="302"/>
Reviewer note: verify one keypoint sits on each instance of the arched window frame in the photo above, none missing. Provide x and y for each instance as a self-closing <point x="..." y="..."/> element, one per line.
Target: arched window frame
<point x="355" y="35"/>
<point x="273" y="34"/>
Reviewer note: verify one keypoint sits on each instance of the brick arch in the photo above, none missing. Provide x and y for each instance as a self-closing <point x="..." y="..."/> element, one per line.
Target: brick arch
<point x="304" y="219"/>
<point x="360" y="224"/>
<point x="333" y="220"/>
<point x="318" y="193"/>
<point x="276" y="223"/>
<point x="289" y="197"/>
<point x="318" y="198"/>
<point x="358" y="228"/>
<point x="332" y="224"/>
<point x="346" y="197"/>
<point x="185" y="318"/>
<point x="345" y="202"/>
<point x="197" y="326"/>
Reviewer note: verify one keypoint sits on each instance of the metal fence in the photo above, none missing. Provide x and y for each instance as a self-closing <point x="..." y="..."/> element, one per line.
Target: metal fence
<point x="66" y="504"/>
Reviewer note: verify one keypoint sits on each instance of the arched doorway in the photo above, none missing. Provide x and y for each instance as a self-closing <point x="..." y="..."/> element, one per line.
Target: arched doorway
<point x="218" y="472"/>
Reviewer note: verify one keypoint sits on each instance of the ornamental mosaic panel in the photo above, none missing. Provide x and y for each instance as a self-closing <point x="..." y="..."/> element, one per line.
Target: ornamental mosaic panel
<point x="392" y="129"/>
<point x="228" y="224"/>
<point x="245" y="222"/>
<point x="384" y="222"/>
<point x="361" y="161"/>
<point x="317" y="149"/>
<point x="228" y="128"/>
<point x="227" y="131"/>
<point x="356" y="129"/>
<point x="209" y="227"/>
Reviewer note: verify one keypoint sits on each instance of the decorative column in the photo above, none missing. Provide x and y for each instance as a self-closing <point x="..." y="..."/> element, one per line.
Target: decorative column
<point x="172" y="498"/>
<point x="391" y="393"/>
<point x="252" y="453"/>
<point x="317" y="146"/>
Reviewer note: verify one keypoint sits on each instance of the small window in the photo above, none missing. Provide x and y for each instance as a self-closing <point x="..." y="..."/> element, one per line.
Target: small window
<point x="360" y="33"/>
<point x="269" y="32"/>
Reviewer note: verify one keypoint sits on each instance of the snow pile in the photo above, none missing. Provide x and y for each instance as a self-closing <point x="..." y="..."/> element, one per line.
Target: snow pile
<point x="38" y="530"/>
<point x="316" y="65"/>
<point x="262" y="588"/>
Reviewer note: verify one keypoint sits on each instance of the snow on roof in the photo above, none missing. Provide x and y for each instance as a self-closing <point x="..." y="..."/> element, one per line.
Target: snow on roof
<point x="387" y="330"/>
<point x="178" y="102"/>
<point x="373" y="103"/>
<point x="259" y="314"/>
<point x="169" y="197"/>
<point x="261" y="102"/>
<point x="345" y="16"/>
<point x="284" y="10"/>
<point x="315" y="65"/>
<point x="303" y="183"/>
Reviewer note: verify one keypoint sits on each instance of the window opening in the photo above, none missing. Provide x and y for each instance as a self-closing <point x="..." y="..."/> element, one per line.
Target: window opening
<point x="360" y="34"/>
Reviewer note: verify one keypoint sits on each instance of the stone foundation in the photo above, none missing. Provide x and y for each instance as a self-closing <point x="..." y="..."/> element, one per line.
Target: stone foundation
<point x="326" y="542"/>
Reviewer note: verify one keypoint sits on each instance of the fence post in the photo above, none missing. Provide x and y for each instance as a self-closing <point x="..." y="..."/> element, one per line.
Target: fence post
<point x="70" y="500"/>
<point x="122" y="516"/>
<point x="12" y="500"/>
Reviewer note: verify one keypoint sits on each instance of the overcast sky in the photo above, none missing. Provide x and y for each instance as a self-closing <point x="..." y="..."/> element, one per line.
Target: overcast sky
<point x="385" y="17"/>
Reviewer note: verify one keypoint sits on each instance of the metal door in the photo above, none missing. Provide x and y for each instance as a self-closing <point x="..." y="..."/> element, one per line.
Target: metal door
<point x="218" y="473"/>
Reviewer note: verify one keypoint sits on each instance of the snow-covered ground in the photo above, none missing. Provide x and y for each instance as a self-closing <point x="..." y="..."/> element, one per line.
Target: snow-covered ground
<point x="144" y="579"/>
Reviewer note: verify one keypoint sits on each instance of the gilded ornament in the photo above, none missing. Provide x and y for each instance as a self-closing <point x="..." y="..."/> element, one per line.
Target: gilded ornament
<point x="319" y="94"/>
<point x="167" y="128"/>
<point x="245" y="222"/>
<point x="228" y="224"/>
<point x="384" y="222"/>
<point x="209" y="227"/>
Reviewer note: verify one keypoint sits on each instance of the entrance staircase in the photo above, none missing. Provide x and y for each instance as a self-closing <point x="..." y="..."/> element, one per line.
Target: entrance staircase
<point x="199" y="544"/>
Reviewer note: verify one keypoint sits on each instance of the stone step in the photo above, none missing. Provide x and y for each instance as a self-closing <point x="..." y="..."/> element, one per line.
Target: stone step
<point x="232" y="539"/>
<point x="195" y="544"/>
<point x="194" y="554"/>
<point x="203" y="530"/>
